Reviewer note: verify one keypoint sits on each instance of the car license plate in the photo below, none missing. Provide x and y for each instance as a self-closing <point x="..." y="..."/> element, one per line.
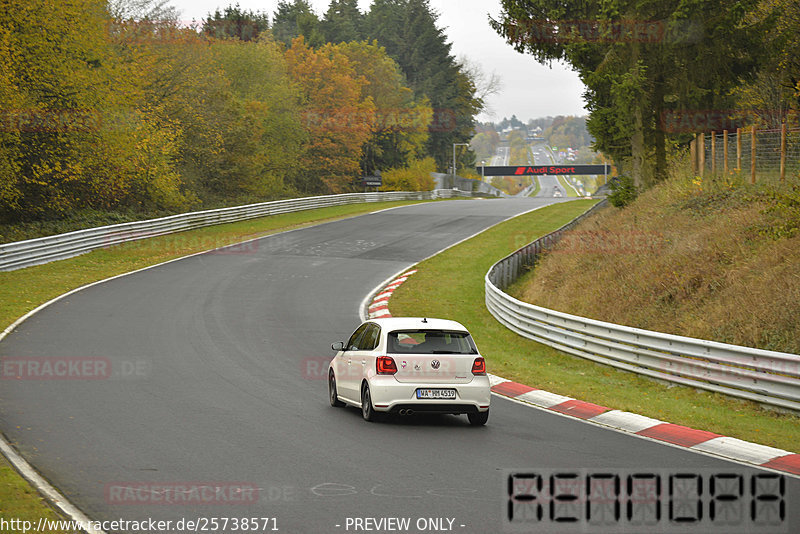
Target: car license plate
<point x="436" y="394"/>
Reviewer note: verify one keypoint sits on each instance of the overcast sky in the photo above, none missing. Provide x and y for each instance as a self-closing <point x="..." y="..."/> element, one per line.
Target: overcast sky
<point x="529" y="90"/>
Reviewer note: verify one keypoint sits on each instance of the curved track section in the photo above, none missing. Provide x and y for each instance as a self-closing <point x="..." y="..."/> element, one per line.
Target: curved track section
<point x="215" y="382"/>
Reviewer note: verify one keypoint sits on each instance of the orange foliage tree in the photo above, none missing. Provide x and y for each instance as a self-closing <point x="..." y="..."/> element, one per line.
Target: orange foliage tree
<point x="338" y="120"/>
<point x="400" y="129"/>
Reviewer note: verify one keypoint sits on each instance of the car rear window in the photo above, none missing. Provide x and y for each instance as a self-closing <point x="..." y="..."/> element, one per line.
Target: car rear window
<point x="430" y="342"/>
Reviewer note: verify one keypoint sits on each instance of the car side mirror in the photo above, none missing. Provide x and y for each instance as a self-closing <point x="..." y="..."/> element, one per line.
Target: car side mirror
<point x="339" y="345"/>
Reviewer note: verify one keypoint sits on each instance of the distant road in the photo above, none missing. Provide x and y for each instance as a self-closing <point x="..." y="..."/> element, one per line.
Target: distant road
<point x="549" y="185"/>
<point x="501" y="157"/>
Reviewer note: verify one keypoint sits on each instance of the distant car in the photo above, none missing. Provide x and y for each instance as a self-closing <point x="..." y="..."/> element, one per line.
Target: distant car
<point x="404" y="365"/>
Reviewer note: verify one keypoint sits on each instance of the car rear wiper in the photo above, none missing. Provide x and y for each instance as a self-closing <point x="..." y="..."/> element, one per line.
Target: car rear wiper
<point x="447" y="352"/>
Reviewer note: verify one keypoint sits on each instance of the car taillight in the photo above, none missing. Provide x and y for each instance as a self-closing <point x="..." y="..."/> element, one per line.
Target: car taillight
<point x="479" y="366"/>
<point x="385" y="365"/>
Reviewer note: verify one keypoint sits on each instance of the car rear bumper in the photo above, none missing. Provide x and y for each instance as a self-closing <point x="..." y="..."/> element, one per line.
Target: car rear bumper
<point x="389" y="395"/>
<point x="438" y="408"/>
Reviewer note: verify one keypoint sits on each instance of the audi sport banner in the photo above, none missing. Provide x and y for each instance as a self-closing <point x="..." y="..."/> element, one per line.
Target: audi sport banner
<point x="527" y="170"/>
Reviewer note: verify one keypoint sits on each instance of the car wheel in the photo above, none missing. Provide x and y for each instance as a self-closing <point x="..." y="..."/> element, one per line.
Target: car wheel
<point x="367" y="411"/>
<point x="332" y="395"/>
<point x="478" y="418"/>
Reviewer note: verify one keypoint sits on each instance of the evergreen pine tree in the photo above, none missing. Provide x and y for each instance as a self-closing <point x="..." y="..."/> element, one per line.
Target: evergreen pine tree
<point x="343" y="22"/>
<point x="293" y="19"/>
<point x="234" y="21"/>
<point x="408" y="31"/>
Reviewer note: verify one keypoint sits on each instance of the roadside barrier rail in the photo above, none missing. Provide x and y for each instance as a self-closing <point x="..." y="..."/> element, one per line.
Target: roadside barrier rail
<point x="763" y="376"/>
<point x="30" y="252"/>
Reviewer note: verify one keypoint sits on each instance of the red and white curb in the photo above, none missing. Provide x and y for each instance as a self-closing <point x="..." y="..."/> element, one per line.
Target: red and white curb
<point x="696" y="440"/>
<point x="646" y="427"/>
<point x="380" y="303"/>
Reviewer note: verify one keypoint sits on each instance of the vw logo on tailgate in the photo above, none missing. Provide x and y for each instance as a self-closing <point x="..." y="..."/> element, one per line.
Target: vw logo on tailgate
<point x="435" y="364"/>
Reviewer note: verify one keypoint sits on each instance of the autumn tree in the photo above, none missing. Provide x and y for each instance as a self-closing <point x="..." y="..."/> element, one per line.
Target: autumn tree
<point x="400" y="127"/>
<point x="52" y="68"/>
<point x="76" y="141"/>
<point x="158" y="11"/>
<point x="265" y="136"/>
<point x="485" y="144"/>
<point x="114" y="105"/>
<point x="417" y="176"/>
<point x="568" y="132"/>
<point x="339" y="121"/>
<point x="12" y="101"/>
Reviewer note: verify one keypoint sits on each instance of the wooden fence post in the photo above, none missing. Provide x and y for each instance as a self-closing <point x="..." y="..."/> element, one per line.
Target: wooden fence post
<point x="783" y="151"/>
<point x="738" y="149"/>
<point x="753" y="154"/>
<point x="725" y="152"/>
<point x="713" y="153"/>
<point x="693" y="154"/>
<point x="702" y="151"/>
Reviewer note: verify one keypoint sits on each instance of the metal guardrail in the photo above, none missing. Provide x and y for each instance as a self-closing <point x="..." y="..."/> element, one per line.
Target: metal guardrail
<point x="22" y="254"/>
<point x="763" y="376"/>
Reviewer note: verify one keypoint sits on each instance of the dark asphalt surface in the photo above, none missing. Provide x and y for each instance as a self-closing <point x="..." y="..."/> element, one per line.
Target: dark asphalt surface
<point x="214" y="381"/>
<point x="548" y="185"/>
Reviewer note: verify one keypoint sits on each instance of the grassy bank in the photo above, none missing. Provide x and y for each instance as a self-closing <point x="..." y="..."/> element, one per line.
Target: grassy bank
<point x="708" y="259"/>
<point x="528" y="362"/>
<point x="25" y="289"/>
<point x="572" y="192"/>
<point x="536" y="186"/>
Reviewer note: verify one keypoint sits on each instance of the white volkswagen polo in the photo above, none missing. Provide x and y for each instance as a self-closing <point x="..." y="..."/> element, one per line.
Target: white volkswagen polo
<point x="409" y="365"/>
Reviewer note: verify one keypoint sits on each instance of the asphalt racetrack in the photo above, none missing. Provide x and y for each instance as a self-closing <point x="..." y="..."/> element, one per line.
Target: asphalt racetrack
<point x="214" y="380"/>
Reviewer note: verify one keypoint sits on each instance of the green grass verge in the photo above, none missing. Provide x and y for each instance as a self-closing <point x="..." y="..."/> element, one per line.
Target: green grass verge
<point x="18" y="500"/>
<point x="525" y="361"/>
<point x="571" y="190"/>
<point x="26" y="289"/>
<point x="536" y="186"/>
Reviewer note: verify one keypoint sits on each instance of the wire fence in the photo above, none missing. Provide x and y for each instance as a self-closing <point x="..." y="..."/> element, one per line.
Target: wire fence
<point x="750" y="153"/>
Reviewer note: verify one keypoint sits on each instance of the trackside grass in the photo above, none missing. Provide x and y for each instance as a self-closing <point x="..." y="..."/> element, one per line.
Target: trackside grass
<point x="710" y="259"/>
<point x="536" y="186"/>
<point x="519" y="359"/>
<point x="25" y="289"/>
<point x="570" y="189"/>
